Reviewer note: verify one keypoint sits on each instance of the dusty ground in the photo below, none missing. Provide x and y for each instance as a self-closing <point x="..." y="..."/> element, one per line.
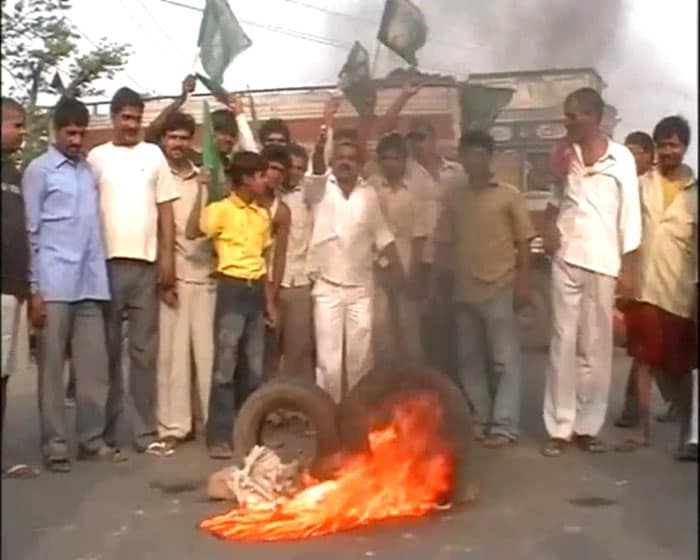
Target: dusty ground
<point x="578" y="507"/>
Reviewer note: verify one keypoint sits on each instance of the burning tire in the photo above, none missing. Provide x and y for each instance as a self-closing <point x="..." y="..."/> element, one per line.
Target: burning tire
<point x="368" y="406"/>
<point x="308" y="399"/>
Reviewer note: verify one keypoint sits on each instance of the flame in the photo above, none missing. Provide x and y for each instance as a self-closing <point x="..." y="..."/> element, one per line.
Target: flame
<point x="407" y="470"/>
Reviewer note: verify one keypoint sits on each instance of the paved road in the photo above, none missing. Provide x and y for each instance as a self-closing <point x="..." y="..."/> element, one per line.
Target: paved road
<point x="578" y="507"/>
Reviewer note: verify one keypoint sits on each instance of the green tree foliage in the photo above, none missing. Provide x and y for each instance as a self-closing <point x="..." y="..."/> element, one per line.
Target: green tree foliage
<point x="37" y="39"/>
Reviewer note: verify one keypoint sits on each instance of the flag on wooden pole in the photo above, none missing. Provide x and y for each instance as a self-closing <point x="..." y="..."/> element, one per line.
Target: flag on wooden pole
<point x="355" y="80"/>
<point x="221" y="39"/>
<point x="403" y="29"/>
<point x="211" y="160"/>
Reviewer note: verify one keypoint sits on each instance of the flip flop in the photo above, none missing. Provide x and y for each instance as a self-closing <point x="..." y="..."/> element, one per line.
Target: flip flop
<point x="630" y="446"/>
<point x="160" y="449"/>
<point x="20" y="471"/>
<point x="58" y="465"/>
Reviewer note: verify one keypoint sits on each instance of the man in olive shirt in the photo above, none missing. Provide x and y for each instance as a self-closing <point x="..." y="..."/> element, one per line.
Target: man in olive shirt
<point x="487" y="230"/>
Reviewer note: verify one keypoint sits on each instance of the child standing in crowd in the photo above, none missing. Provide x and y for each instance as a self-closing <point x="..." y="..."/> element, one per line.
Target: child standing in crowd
<point x="240" y="230"/>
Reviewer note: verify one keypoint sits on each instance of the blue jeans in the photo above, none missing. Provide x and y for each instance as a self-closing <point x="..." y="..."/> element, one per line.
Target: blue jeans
<point x="490" y="362"/>
<point x="239" y="326"/>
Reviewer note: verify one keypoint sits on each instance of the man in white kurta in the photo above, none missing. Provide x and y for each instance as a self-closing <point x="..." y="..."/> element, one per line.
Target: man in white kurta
<point x="593" y="223"/>
<point x="348" y="230"/>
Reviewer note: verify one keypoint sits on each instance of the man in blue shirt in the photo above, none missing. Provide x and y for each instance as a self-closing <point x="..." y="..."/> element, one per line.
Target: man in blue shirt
<point x="68" y="283"/>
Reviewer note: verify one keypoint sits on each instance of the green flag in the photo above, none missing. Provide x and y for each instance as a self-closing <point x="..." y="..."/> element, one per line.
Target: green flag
<point x="211" y="160"/>
<point x="403" y="29"/>
<point x="356" y="82"/>
<point x="221" y="39"/>
<point x="215" y="88"/>
<point x="481" y="105"/>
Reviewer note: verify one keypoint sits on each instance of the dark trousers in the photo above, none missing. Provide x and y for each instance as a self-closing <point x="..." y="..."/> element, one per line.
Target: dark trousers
<point x="239" y="329"/>
<point x="133" y="284"/>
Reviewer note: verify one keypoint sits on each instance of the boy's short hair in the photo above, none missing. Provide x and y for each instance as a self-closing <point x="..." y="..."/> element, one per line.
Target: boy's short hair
<point x="224" y="121"/>
<point x="245" y="164"/>
<point x="669" y="126"/>
<point x="8" y="104"/>
<point x="272" y="126"/>
<point x="392" y="142"/>
<point x="589" y="100"/>
<point x="641" y="139"/>
<point x="297" y="150"/>
<point x="125" y="97"/>
<point x="476" y="139"/>
<point x="70" y="111"/>
<point x="278" y="154"/>
<point x="349" y="135"/>
<point x="179" y="121"/>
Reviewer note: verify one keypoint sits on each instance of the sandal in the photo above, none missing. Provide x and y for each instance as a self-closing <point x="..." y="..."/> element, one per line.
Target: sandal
<point x="495" y="441"/>
<point x="20" y="471"/>
<point x="104" y="454"/>
<point x="160" y="448"/>
<point x="58" y="464"/>
<point x="631" y="445"/>
<point x="554" y="447"/>
<point x="589" y="443"/>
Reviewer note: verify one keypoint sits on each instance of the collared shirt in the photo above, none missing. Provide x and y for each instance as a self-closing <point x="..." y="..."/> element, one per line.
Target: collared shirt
<point x="194" y="258"/>
<point x="451" y="177"/>
<point x="669" y="252"/>
<point x="65" y="235"/>
<point x="406" y="208"/>
<point x="132" y="181"/>
<point x="15" y="246"/>
<point x="295" y="270"/>
<point x="599" y="211"/>
<point x="483" y="226"/>
<point x="241" y="234"/>
<point x="346" y="231"/>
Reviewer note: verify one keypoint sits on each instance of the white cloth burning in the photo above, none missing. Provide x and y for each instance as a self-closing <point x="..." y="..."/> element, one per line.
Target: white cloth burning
<point x="264" y="480"/>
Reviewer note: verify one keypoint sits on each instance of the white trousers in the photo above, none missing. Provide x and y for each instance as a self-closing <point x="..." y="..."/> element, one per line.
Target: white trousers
<point x="693" y="431"/>
<point x="343" y="324"/>
<point x="580" y="352"/>
<point x="186" y="335"/>
<point x="15" y="335"/>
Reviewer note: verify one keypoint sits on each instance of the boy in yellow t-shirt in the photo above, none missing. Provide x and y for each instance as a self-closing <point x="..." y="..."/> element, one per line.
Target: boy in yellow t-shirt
<point x="240" y="231"/>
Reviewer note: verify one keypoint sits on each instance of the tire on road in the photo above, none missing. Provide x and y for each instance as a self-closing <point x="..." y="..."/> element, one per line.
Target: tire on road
<point x="301" y="396"/>
<point x="368" y="406"/>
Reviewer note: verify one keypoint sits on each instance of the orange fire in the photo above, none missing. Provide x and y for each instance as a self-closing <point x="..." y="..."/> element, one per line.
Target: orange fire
<point x="407" y="470"/>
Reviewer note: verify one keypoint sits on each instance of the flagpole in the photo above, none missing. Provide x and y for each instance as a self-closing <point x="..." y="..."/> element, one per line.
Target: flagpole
<point x="375" y="58"/>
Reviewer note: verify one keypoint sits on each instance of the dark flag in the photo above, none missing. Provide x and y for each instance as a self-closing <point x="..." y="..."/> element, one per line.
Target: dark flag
<point x="355" y="80"/>
<point x="57" y="84"/>
<point x="481" y="105"/>
<point x="403" y="29"/>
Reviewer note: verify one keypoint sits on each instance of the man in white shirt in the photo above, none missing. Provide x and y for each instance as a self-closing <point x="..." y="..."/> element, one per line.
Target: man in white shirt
<point x="136" y="194"/>
<point x="592" y="229"/>
<point x="349" y="229"/>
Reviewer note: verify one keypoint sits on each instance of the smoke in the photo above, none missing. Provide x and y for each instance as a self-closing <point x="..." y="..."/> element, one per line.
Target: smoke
<point x="646" y="52"/>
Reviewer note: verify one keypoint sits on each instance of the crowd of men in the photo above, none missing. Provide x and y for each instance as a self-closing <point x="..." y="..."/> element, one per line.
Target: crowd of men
<point x="317" y="266"/>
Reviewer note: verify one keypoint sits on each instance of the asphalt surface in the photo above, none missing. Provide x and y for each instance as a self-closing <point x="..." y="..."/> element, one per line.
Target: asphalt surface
<point x="580" y="506"/>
